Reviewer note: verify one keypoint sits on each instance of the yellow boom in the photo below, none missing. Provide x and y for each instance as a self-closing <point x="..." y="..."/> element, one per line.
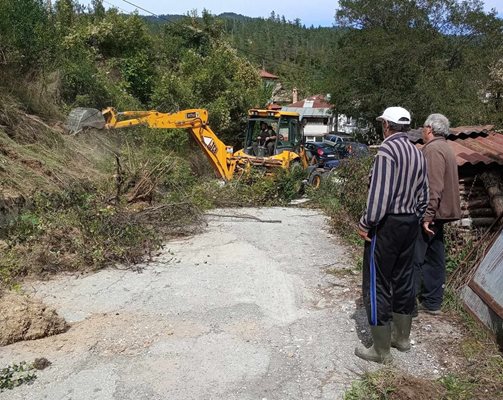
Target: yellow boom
<point x="194" y="120"/>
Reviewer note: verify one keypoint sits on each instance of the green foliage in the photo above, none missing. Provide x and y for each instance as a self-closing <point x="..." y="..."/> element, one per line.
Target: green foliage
<point x="138" y="71"/>
<point x="417" y="55"/>
<point x="86" y="234"/>
<point x="27" y="35"/>
<point x="458" y="246"/>
<point x="206" y="73"/>
<point x="108" y="61"/>
<point x="457" y="387"/>
<point x="480" y="381"/>
<point x="15" y="375"/>
<point x="343" y="195"/>
<point x="252" y="190"/>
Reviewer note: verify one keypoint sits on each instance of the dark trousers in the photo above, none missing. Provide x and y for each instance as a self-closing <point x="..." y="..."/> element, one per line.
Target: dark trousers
<point x="429" y="267"/>
<point x="388" y="273"/>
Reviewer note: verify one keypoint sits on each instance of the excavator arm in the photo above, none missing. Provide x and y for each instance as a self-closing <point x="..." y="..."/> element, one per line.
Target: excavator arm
<point x="193" y="120"/>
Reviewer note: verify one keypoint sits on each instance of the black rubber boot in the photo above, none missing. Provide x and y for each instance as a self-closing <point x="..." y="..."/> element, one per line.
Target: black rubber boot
<point x="379" y="352"/>
<point x="400" y="331"/>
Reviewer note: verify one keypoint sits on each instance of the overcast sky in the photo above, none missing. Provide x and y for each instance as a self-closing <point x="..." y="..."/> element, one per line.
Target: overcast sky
<point x="313" y="12"/>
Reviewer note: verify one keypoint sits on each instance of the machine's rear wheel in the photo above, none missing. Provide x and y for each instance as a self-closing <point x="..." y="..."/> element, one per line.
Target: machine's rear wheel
<point x="315" y="179"/>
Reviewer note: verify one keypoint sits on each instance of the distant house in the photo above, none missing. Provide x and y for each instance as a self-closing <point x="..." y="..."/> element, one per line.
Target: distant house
<point x="268" y="78"/>
<point x="279" y="95"/>
<point x="316" y="115"/>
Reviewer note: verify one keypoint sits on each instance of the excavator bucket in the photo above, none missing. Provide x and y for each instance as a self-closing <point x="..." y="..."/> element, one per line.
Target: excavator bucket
<point x="80" y="118"/>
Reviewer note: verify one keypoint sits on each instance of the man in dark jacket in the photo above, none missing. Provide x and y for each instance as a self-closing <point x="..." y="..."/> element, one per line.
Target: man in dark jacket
<point x="267" y="138"/>
<point x="444" y="206"/>
<point x="396" y="202"/>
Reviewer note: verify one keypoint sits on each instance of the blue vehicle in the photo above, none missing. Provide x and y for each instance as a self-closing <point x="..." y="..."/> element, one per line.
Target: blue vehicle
<point x="348" y="148"/>
<point x="320" y="153"/>
<point x="327" y="156"/>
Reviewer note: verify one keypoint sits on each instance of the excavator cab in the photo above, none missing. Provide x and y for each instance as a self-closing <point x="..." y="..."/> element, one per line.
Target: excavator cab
<point x="283" y="127"/>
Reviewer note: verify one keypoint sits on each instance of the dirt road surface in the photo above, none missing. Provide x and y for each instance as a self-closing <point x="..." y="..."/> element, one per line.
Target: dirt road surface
<point x="247" y="309"/>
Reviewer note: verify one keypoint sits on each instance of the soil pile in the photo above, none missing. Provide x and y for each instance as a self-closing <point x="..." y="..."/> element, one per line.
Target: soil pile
<point x="22" y="318"/>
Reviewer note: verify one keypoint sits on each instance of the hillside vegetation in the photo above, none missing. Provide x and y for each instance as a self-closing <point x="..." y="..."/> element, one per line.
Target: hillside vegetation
<point x="119" y="191"/>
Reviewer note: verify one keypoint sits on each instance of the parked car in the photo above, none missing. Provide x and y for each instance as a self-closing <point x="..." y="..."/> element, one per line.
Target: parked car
<point x="321" y="154"/>
<point x="348" y="148"/>
<point x="338" y="138"/>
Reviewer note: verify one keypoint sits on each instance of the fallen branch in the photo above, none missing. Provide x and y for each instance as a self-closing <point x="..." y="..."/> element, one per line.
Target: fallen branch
<point x="269" y="221"/>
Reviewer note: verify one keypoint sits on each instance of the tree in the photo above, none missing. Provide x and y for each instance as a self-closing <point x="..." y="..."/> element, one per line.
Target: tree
<point x="98" y="9"/>
<point x="27" y="37"/>
<point x="425" y="55"/>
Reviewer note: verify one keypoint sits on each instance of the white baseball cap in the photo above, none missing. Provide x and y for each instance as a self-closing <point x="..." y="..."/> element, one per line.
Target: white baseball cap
<point x="398" y="115"/>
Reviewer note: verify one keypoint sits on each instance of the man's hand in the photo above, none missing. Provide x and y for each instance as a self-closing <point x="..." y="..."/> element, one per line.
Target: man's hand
<point x="427" y="229"/>
<point x="364" y="235"/>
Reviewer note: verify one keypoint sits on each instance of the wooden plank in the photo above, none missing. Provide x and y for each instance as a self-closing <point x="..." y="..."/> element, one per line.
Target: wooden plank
<point x="487" y="298"/>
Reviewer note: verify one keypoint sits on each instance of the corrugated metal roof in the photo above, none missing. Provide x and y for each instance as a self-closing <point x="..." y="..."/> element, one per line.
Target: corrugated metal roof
<point x="484" y="149"/>
<point x="471" y="130"/>
<point x="479" y="150"/>
<point x="460" y="132"/>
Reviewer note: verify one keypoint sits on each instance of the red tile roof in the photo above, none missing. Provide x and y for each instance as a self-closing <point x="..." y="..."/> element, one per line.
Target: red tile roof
<point x="267" y="75"/>
<point x="319" y="102"/>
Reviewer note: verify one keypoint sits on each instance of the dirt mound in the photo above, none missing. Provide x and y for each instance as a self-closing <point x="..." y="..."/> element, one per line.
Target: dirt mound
<point x="412" y="388"/>
<point x="22" y="318"/>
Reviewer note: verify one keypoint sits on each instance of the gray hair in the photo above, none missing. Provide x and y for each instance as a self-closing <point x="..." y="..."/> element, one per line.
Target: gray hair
<point x="439" y="124"/>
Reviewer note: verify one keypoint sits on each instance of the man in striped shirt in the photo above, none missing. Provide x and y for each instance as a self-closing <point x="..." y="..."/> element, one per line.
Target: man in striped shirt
<point x="396" y="202"/>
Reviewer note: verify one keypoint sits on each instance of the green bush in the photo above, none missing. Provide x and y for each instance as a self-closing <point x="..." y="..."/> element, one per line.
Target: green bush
<point x="343" y="195"/>
<point x="28" y="36"/>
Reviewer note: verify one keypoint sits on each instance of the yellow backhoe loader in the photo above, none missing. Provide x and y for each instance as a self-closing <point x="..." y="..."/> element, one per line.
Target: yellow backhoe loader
<point x="284" y="150"/>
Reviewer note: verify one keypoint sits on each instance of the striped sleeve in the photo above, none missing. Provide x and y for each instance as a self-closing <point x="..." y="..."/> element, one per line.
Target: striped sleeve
<point x="381" y="191"/>
<point x="424" y="192"/>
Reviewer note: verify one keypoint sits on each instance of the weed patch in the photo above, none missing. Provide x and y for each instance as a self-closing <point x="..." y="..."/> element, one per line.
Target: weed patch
<point x="15" y="375"/>
<point x="79" y="230"/>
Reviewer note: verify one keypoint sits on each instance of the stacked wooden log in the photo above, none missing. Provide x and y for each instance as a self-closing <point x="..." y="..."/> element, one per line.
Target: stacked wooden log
<point x="476" y="210"/>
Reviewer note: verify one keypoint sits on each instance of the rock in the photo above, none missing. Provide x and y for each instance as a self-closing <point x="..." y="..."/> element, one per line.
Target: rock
<point x="22" y="318"/>
<point x="41" y="363"/>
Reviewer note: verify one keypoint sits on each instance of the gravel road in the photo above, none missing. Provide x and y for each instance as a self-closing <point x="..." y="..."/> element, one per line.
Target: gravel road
<point x="249" y="309"/>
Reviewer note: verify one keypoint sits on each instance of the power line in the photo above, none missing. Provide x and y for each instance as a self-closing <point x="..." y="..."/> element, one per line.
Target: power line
<point x="169" y="21"/>
<point x="143" y="9"/>
<point x="115" y="6"/>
